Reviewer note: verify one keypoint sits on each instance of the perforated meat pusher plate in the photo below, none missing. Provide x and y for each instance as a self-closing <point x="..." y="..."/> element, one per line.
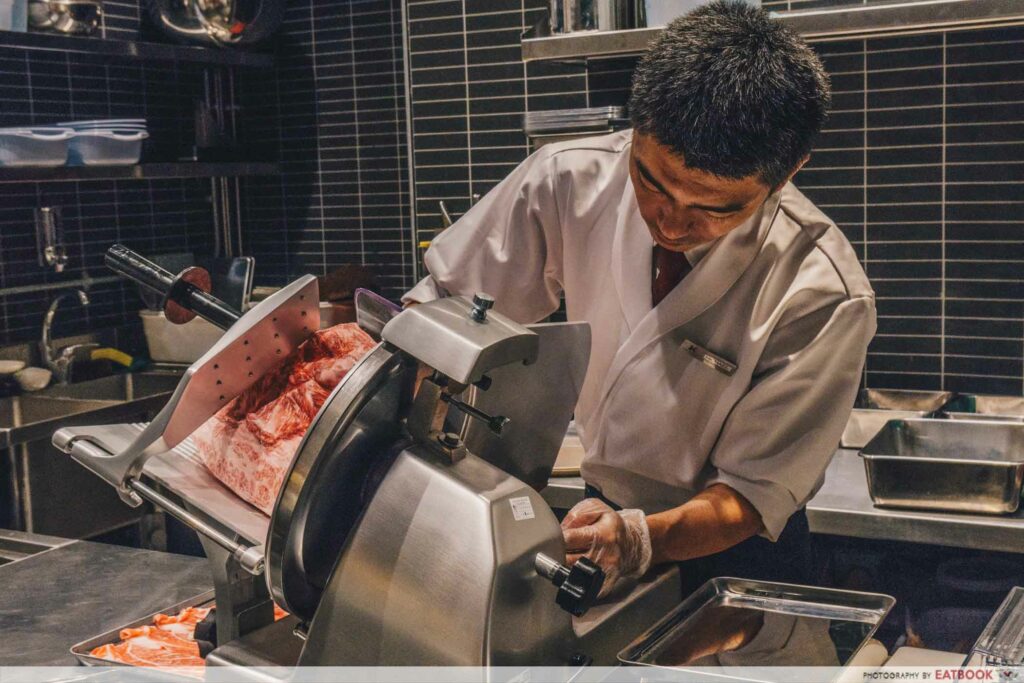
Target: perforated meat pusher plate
<point x="250" y="348"/>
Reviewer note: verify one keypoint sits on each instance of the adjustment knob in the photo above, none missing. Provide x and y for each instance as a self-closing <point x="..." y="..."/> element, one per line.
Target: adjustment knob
<point x="481" y="304"/>
<point x="578" y="587"/>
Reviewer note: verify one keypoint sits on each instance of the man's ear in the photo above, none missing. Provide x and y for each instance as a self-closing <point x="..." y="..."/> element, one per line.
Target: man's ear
<point x="796" y="169"/>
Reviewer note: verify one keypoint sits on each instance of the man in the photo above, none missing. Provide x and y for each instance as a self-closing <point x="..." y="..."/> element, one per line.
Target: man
<point x="730" y="318"/>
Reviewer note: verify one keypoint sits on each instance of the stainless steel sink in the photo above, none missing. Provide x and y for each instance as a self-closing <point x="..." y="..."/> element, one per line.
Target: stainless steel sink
<point x="42" y="490"/>
<point x="119" y="387"/>
<point x="30" y="417"/>
<point x="17" y="545"/>
<point x="36" y="416"/>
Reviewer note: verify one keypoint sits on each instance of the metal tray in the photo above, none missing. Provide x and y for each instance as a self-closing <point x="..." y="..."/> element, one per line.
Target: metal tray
<point x="954" y="465"/>
<point x="985" y="407"/>
<point x="735" y="622"/>
<point x="865" y="423"/>
<point x="1002" y="641"/>
<point x="900" y="399"/>
<point x="81" y="650"/>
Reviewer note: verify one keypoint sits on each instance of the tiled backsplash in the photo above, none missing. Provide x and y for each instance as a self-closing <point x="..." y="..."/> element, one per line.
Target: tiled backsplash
<point x="921" y="164"/>
<point x="334" y="106"/>
<point x="151" y="216"/>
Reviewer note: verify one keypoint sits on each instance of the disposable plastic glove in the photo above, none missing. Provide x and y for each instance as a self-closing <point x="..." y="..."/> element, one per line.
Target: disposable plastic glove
<point x="617" y="542"/>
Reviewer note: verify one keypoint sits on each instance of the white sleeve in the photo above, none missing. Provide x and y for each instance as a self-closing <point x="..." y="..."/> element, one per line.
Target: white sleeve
<point x="780" y="437"/>
<point x="508" y="245"/>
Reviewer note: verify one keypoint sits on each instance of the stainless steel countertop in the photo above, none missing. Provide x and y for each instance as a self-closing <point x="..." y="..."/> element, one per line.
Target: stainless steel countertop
<point x="59" y="597"/>
<point x="843" y="508"/>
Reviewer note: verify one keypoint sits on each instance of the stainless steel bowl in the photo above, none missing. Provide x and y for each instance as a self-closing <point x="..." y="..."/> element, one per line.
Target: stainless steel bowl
<point x="221" y="22"/>
<point x="74" y="17"/>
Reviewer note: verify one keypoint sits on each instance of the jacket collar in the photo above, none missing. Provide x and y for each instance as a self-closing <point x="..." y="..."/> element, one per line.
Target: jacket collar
<point x="712" y="276"/>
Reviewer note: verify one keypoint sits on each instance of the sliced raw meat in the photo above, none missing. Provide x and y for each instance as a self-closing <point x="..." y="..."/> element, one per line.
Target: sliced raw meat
<point x="182" y="624"/>
<point x="249" y="445"/>
<point x="169" y="642"/>
<point x="151" y="646"/>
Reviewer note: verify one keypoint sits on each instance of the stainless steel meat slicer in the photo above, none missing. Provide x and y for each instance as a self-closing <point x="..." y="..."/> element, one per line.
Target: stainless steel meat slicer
<point x="409" y="530"/>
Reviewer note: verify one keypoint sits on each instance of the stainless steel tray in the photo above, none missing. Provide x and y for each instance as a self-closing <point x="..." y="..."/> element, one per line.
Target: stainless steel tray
<point x="81" y="650"/>
<point x="734" y="622"/>
<point x="865" y="423"/>
<point x="954" y="465"/>
<point x="875" y="407"/>
<point x="900" y="399"/>
<point x="986" y="407"/>
<point x="1002" y="641"/>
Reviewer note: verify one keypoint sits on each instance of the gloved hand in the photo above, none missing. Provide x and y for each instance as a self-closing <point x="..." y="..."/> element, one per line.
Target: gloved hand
<point x="618" y="542"/>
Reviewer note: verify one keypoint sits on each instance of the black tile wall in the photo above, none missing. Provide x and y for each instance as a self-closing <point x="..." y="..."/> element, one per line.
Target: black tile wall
<point x="334" y="109"/>
<point x="151" y="216"/>
<point x="921" y="165"/>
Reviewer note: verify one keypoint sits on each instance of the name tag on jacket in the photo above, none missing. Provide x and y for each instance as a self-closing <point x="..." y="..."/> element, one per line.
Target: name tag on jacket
<point x="713" y="361"/>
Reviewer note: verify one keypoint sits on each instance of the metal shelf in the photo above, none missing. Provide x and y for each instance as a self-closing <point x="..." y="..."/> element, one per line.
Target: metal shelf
<point x="816" y="25"/>
<point x="134" y="50"/>
<point x="184" y="169"/>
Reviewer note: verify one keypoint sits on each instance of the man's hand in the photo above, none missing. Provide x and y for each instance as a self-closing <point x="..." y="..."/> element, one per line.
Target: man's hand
<point x="618" y="542"/>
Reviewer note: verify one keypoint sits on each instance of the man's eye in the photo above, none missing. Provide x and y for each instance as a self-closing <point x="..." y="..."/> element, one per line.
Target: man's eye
<point x="718" y="216"/>
<point x="649" y="186"/>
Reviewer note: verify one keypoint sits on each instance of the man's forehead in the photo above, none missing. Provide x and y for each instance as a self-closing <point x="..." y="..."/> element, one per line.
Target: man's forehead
<point x="670" y="168"/>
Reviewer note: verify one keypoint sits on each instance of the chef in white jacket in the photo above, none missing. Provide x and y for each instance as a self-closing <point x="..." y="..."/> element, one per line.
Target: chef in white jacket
<point x="730" y="317"/>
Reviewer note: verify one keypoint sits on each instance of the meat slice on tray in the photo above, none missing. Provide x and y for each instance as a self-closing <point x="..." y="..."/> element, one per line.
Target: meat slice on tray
<point x="169" y="642"/>
<point x="250" y="443"/>
<point x="152" y="646"/>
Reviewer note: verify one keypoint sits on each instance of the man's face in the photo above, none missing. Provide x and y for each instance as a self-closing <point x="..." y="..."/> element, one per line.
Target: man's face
<point x="685" y="208"/>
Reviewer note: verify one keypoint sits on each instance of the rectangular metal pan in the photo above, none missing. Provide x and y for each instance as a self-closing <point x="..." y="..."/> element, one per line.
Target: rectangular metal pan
<point x="735" y="622"/>
<point x="953" y="465"/>
<point x="875" y="407"/>
<point x="900" y="399"/>
<point x="865" y="423"/>
<point x="986" y="407"/>
<point x="1002" y="641"/>
<point x="81" y="650"/>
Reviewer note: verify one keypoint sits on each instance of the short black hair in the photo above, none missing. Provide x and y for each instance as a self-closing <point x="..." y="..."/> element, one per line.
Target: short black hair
<point x="732" y="92"/>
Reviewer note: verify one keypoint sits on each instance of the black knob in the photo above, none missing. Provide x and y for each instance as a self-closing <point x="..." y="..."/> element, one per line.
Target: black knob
<point x="481" y="304"/>
<point x="578" y="587"/>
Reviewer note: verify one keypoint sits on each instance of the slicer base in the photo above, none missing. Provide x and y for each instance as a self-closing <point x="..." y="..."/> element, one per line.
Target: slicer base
<point x="274" y="645"/>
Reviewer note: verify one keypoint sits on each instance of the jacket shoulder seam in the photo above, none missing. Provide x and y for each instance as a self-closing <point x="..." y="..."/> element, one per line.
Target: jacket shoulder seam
<point x="817" y="246"/>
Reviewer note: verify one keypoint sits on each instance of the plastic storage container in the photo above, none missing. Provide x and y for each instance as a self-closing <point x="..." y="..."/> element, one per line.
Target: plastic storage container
<point x="106" y="147"/>
<point x="14" y="15"/>
<point x="105" y="124"/>
<point x="34" y="146"/>
<point x="170" y="343"/>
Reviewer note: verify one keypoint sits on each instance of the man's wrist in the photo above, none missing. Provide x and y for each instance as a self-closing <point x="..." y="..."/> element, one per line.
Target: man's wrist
<point x="660" y="529"/>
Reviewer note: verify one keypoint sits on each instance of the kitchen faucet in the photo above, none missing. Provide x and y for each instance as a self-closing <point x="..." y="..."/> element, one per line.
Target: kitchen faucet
<point x="61" y="363"/>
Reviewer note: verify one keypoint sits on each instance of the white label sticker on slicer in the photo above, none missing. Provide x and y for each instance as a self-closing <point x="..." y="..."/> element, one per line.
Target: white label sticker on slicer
<point x="522" y="508"/>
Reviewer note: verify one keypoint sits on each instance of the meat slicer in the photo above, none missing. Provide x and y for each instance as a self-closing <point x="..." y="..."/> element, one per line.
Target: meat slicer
<point x="409" y="529"/>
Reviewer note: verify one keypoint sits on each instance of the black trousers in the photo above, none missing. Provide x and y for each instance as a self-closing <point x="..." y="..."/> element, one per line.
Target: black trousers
<point x="788" y="560"/>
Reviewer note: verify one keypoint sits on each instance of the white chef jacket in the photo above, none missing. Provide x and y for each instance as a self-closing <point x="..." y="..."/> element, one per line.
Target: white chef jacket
<point x="782" y="297"/>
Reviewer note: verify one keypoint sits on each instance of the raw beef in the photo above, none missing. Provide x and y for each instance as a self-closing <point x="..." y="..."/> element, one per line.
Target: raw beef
<point x="151" y="646"/>
<point x="250" y="443"/>
<point x="184" y="622"/>
<point x="169" y="642"/>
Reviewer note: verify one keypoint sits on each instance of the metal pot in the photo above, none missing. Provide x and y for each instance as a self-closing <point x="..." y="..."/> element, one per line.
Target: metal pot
<point x="222" y="22"/>
<point x="76" y="17"/>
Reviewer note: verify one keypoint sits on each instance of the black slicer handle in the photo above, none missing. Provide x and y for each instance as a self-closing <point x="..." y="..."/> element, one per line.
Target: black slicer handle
<point x="578" y="586"/>
<point x="185" y="295"/>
